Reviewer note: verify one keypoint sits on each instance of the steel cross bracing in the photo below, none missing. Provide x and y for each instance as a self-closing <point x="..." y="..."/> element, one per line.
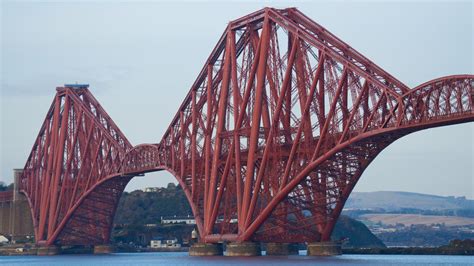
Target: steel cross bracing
<point x="277" y="129"/>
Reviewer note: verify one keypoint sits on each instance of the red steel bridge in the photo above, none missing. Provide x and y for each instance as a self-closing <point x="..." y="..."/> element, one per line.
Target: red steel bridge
<point x="274" y="134"/>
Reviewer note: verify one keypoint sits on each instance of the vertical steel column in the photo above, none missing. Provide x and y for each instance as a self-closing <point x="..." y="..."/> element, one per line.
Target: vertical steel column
<point x="221" y="116"/>
<point x="256" y="115"/>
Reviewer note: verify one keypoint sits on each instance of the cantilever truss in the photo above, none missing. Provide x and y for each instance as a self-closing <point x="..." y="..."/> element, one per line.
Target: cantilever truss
<point x="268" y="144"/>
<point x="78" y="145"/>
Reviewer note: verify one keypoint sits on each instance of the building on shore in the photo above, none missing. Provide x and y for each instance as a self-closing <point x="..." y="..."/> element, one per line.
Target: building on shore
<point x="15" y="214"/>
<point x="178" y="219"/>
<point x="160" y="242"/>
<point x="153" y="189"/>
<point x="188" y="220"/>
<point x="3" y="239"/>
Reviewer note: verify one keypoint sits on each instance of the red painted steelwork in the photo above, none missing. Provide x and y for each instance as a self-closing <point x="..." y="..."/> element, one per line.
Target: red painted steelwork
<point x="6" y="196"/>
<point x="277" y="129"/>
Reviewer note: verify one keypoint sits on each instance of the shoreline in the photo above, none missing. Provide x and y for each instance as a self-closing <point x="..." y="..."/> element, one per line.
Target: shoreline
<point x="408" y="251"/>
<point x="25" y="250"/>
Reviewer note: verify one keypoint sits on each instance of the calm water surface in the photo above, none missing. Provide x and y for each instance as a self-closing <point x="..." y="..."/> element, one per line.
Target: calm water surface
<point x="182" y="258"/>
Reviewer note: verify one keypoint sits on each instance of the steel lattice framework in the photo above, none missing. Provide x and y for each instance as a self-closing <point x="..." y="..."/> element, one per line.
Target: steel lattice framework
<point x="268" y="144"/>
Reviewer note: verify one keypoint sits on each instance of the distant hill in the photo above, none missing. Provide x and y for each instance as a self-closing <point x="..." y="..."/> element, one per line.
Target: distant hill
<point x="396" y="200"/>
<point x="411" y="219"/>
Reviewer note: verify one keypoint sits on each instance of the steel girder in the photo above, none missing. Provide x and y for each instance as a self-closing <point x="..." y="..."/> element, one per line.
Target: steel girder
<point x="268" y="144"/>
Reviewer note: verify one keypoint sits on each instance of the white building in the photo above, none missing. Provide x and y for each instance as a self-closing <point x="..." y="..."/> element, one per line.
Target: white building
<point x="178" y="219"/>
<point x="189" y="220"/>
<point x="159" y="242"/>
<point x="3" y="239"/>
<point x="153" y="189"/>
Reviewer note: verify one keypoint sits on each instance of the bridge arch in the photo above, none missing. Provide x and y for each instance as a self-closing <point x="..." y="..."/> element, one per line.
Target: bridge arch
<point x="407" y="158"/>
<point x="146" y="158"/>
<point x="86" y="222"/>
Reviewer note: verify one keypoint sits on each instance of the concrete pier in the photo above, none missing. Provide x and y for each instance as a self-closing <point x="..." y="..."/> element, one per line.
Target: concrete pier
<point x="48" y="250"/>
<point x="281" y="249"/>
<point x="15" y="213"/>
<point x="103" y="249"/>
<point x="205" y="249"/>
<point x="324" y="249"/>
<point x="243" y="249"/>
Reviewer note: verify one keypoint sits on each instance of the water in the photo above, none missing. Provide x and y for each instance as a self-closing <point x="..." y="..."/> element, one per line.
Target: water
<point x="182" y="258"/>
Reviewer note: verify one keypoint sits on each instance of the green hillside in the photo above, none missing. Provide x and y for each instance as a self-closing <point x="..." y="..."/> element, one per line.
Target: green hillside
<point x="138" y="208"/>
<point x="397" y="200"/>
<point x="357" y="234"/>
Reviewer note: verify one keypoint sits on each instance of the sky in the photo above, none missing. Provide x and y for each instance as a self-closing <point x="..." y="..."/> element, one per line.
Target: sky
<point x="141" y="58"/>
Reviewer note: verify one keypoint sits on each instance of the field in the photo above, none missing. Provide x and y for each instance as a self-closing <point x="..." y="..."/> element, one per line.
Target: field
<point x="409" y="219"/>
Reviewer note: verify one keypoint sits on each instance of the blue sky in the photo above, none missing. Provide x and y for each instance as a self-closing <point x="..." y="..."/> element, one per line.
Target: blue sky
<point x="142" y="57"/>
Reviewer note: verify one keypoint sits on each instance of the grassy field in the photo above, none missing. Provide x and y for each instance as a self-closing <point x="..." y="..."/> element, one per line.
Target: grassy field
<point x="409" y="219"/>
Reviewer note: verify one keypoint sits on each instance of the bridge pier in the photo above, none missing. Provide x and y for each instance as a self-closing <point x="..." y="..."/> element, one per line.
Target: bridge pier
<point x="328" y="248"/>
<point x="205" y="249"/>
<point x="243" y="249"/>
<point x="103" y="249"/>
<point x="48" y="250"/>
<point x="281" y="249"/>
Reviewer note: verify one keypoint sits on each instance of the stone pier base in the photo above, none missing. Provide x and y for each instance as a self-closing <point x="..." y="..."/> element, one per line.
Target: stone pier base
<point x="205" y="249"/>
<point x="103" y="249"/>
<point x="281" y="249"/>
<point x="48" y="250"/>
<point x="244" y="249"/>
<point x="324" y="249"/>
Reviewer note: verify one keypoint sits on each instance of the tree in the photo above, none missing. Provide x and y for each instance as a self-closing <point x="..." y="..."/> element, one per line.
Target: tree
<point x="4" y="187"/>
